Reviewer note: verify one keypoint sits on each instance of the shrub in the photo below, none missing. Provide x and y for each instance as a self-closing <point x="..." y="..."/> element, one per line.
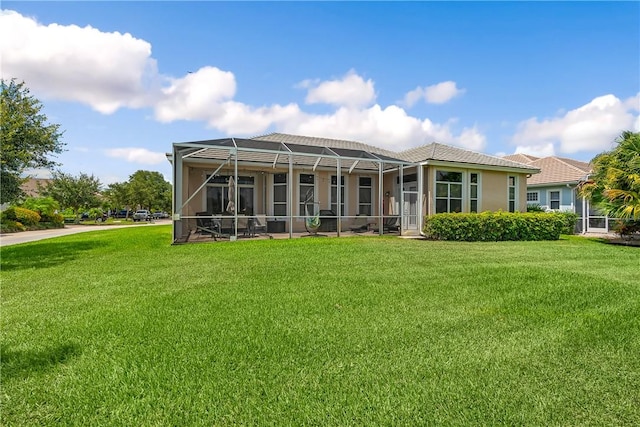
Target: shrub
<point x="45" y="206"/>
<point x="568" y="221"/>
<point x="535" y="208"/>
<point x="627" y="228"/>
<point x="497" y="226"/>
<point x="25" y="216"/>
<point x="11" y="226"/>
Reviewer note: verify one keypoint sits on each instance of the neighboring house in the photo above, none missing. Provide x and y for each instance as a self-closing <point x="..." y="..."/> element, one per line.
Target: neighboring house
<point x="33" y="186"/>
<point x="555" y="188"/>
<point x="270" y="175"/>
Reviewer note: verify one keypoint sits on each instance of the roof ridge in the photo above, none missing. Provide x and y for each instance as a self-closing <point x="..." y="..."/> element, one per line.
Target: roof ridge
<point x="562" y="160"/>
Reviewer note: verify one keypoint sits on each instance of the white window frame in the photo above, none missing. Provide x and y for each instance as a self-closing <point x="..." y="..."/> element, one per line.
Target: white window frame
<point x="371" y="203"/>
<point x="536" y="201"/>
<point x="515" y="193"/>
<point x="550" y="200"/>
<point x="463" y="191"/>
<point x="272" y="195"/>
<point x="343" y="201"/>
<point x="300" y="209"/>
<point x="478" y="185"/>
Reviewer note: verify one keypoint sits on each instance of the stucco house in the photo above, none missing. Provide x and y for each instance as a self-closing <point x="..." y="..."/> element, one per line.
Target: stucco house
<point x="270" y="175"/>
<point x="555" y="188"/>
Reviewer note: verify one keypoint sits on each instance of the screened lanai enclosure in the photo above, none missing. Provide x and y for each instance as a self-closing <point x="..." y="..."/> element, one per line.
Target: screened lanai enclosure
<point x="234" y="188"/>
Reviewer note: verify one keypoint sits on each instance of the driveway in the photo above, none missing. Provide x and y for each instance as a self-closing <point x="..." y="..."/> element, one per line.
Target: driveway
<point x="32" y="236"/>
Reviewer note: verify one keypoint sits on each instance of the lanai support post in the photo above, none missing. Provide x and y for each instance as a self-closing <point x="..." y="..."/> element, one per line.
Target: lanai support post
<point x="177" y="193"/>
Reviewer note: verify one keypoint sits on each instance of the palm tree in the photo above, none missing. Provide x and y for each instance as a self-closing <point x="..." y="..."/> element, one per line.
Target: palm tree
<point x="614" y="185"/>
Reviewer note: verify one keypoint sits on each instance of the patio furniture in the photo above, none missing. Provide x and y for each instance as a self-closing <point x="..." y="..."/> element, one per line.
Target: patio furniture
<point x="390" y="223"/>
<point x="328" y="220"/>
<point x="359" y="224"/>
<point x="206" y="225"/>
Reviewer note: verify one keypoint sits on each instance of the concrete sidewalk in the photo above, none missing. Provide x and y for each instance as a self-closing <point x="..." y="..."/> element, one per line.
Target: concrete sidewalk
<point x="33" y="236"/>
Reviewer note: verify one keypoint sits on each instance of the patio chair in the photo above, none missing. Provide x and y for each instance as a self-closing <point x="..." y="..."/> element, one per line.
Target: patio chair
<point x="359" y="224"/>
<point x="244" y="226"/>
<point x="260" y="224"/>
<point x="206" y="225"/>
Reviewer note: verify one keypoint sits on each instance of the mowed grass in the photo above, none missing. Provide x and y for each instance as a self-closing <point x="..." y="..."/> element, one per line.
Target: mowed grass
<point x="118" y="327"/>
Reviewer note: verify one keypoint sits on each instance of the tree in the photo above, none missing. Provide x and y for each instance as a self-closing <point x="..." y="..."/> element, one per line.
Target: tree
<point x="72" y="192"/>
<point x="118" y="195"/>
<point x="149" y="189"/>
<point x="27" y="140"/>
<point x="614" y="186"/>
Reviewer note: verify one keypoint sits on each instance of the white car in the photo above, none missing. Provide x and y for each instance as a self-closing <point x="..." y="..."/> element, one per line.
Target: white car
<point x="142" y="215"/>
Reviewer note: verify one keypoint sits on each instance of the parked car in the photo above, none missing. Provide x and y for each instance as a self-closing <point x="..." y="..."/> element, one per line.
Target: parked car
<point x="98" y="218"/>
<point x="142" y="215"/>
<point x="122" y="214"/>
<point x="160" y="215"/>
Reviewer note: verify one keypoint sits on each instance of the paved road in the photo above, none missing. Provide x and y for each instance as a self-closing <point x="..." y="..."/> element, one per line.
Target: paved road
<point x="32" y="236"/>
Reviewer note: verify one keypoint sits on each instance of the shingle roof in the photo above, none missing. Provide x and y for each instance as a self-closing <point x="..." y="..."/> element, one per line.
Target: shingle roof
<point x="448" y="153"/>
<point x="558" y="170"/>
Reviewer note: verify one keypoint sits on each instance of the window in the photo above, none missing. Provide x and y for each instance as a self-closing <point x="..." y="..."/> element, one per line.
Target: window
<point x="280" y="194"/>
<point x="473" y="192"/>
<point x="365" y="190"/>
<point x="334" y="194"/>
<point x="217" y="194"/>
<point x="512" y="180"/>
<point x="306" y="189"/>
<point x="448" y="191"/>
<point x="532" y="197"/>
<point x="554" y="200"/>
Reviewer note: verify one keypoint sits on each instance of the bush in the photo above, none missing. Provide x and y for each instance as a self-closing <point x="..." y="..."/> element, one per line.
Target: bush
<point x="627" y="228"/>
<point x="535" y="208"/>
<point x="45" y="206"/>
<point x="498" y="226"/>
<point x="11" y="226"/>
<point x="25" y="216"/>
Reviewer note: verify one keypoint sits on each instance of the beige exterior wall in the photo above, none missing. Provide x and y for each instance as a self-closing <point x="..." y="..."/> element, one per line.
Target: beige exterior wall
<point x="493" y="195"/>
<point x="494" y="191"/>
<point x="195" y="174"/>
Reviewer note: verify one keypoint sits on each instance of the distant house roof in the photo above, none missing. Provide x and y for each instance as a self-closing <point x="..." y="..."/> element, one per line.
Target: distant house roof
<point x="554" y="170"/>
<point x="32" y="186"/>
<point x="521" y="158"/>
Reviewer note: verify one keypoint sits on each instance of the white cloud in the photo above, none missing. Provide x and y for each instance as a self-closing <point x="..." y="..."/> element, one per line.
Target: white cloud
<point x="540" y="150"/>
<point x="109" y="71"/>
<point x="104" y="70"/>
<point x="352" y="91"/>
<point x="435" y="94"/>
<point x="591" y="127"/>
<point x="137" y="155"/>
<point x="389" y="127"/>
<point x="196" y="96"/>
<point x="37" y="173"/>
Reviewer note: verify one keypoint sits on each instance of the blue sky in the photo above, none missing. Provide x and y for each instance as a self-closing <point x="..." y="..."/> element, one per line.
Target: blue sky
<point x="126" y="79"/>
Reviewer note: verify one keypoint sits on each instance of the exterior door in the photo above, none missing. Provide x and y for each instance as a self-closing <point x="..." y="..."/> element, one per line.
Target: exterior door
<point x="597" y="222"/>
<point x="410" y="208"/>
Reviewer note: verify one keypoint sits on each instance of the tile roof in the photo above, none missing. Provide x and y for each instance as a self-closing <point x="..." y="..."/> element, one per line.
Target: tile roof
<point x="433" y="151"/>
<point x="521" y="158"/>
<point x="448" y="153"/>
<point x="325" y="142"/>
<point x="558" y="170"/>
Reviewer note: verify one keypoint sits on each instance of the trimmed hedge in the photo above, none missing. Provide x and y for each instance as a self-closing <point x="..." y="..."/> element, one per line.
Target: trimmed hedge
<point x="499" y="226"/>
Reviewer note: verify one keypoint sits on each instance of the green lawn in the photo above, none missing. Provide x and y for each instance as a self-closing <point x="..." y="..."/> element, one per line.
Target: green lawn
<point x="118" y="327"/>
